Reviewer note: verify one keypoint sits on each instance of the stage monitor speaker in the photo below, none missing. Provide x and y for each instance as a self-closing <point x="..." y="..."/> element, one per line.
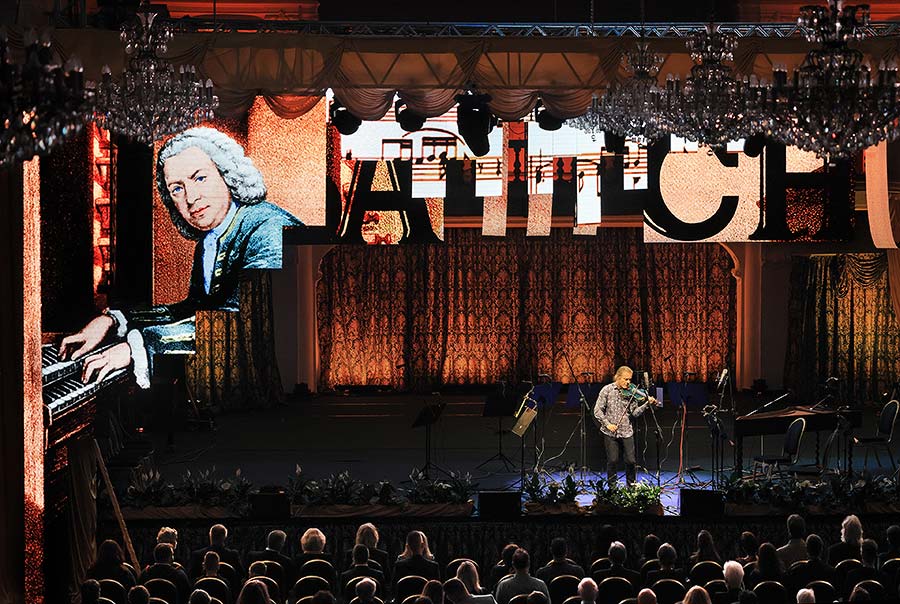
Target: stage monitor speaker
<point x="271" y="503"/>
<point x="699" y="503"/>
<point x="499" y="505"/>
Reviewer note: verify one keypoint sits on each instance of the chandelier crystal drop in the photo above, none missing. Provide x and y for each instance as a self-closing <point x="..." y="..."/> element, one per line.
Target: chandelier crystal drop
<point x="151" y="100"/>
<point x="41" y="102"/>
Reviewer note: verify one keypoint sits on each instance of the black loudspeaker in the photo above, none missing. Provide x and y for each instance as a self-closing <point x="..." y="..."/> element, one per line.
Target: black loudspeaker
<point x="698" y="503"/>
<point x="271" y="503"/>
<point x="499" y="505"/>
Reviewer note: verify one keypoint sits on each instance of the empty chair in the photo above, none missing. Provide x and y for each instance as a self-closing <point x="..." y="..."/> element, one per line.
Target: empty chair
<point x="825" y="591"/>
<point x="771" y="592"/>
<point x="647" y="567"/>
<point x="875" y="589"/>
<point x="562" y="587"/>
<point x="308" y="586"/>
<point x="215" y="587"/>
<point x="450" y="571"/>
<point x="408" y="586"/>
<point x="613" y="590"/>
<point x="883" y="436"/>
<point x="600" y="564"/>
<point x="162" y="589"/>
<point x="704" y="572"/>
<point x="789" y="452"/>
<point x="113" y="590"/>
<point x="668" y="591"/>
<point x="891" y="567"/>
<point x="716" y="586"/>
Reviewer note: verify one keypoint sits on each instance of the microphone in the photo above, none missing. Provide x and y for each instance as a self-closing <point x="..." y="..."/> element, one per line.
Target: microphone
<point x="646" y="381"/>
<point x="722" y="377"/>
<point x="544" y="375"/>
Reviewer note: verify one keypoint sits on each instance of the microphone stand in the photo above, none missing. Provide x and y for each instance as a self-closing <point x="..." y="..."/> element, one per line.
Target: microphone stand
<point x="581" y="419"/>
<point x="657" y="432"/>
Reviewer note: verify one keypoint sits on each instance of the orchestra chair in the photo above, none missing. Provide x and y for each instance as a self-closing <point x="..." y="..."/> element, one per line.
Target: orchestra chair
<point x="883" y="436"/>
<point x="113" y="590"/>
<point x="749" y="567"/>
<point x="453" y="565"/>
<point x="162" y="589"/>
<point x="771" y="592"/>
<point x="842" y="569"/>
<point x="825" y="591"/>
<point x="154" y="600"/>
<point x="274" y="570"/>
<point x="408" y="586"/>
<point x="876" y="590"/>
<point x="271" y="585"/>
<point x="227" y="572"/>
<point x="308" y="586"/>
<point x="305" y="600"/>
<point x="215" y="587"/>
<point x="318" y="568"/>
<point x="891" y="567"/>
<point x="647" y="567"/>
<point x="716" y="586"/>
<point x="668" y="591"/>
<point x="572" y="600"/>
<point x="102" y="600"/>
<point x="706" y="571"/>
<point x="613" y="590"/>
<point x="629" y="601"/>
<point x="350" y="587"/>
<point x="600" y="564"/>
<point x="410" y="598"/>
<point x="776" y="464"/>
<point x="562" y="587"/>
<point x="519" y="599"/>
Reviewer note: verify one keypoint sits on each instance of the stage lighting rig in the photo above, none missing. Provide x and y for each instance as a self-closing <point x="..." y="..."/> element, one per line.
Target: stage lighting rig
<point x="408" y="119"/>
<point x="545" y="119"/>
<point x="345" y="122"/>
<point x="475" y="121"/>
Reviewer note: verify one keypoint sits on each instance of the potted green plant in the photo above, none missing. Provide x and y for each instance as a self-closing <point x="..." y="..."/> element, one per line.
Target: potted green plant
<point x="545" y="495"/>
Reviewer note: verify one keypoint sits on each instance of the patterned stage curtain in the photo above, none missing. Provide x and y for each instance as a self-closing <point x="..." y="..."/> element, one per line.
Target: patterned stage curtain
<point x="477" y="310"/>
<point x="842" y="324"/>
<point x="235" y="365"/>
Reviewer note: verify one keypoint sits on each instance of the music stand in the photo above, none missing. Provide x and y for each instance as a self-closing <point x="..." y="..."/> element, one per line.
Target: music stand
<point x="428" y="415"/>
<point x="499" y="405"/>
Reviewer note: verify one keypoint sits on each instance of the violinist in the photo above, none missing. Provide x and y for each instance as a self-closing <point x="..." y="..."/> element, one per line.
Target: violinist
<point x="615" y="405"/>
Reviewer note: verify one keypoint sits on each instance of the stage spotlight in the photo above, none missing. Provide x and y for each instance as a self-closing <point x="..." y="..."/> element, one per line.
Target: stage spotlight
<point x="408" y="119"/>
<point x="614" y="143"/>
<point x="754" y="145"/>
<point x="345" y="122"/>
<point x="475" y="121"/>
<point x="546" y="120"/>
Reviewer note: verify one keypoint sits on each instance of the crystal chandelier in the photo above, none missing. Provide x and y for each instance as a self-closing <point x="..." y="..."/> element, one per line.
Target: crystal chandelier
<point x="709" y="107"/>
<point x="834" y="105"/>
<point x="151" y="100"/>
<point x="41" y="103"/>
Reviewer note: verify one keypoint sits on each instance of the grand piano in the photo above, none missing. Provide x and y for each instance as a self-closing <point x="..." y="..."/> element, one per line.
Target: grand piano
<point x="765" y="423"/>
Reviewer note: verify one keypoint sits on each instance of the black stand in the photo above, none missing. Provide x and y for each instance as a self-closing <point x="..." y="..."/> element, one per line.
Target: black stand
<point x="582" y="419"/>
<point x="428" y="416"/>
<point x="657" y="432"/>
<point x="499" y="405"/>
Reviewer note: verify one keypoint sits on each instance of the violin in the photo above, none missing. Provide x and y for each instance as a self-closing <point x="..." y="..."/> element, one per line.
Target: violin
<point x="639" y="395"/>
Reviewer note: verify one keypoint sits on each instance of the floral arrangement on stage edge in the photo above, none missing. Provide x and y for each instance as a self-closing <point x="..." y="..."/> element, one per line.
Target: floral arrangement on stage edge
<point x="825" y="494"/>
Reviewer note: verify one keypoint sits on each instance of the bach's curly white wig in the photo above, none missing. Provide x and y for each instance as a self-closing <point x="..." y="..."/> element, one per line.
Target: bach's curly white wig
<point x="243" y="179"/>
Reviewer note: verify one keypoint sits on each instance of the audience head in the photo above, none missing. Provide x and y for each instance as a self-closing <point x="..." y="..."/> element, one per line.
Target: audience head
<point x="588" y="590"/>
<point x="217" y="534"/>
<point x="323" y="597"/>
<point x="617" y="553"/>
<point x="198" y="596"/>
<point x="367" y="535"/>
<point x="893" y="536"/>
<point x="749" y="544"/>
<point x="696" y="595"/>
<point x="467" y="572"/>
<point x="253" y="592"/>
<point x="806" y="596"/>
<point x="558" y="548"/>
<point x="360" y="554"/>
<point x="859" y="594"/>
<point x="312" y="541"/>
<point x="767" y="560"/>
<point x="651" y="544"/>
<point x="211" y="564"/>
<point x="869" y="552"/>
<point x="521" y="560"/>
<point x="667" y="555"/>
<point x="110" y="554"/>
<point x="257" y="569"/>
<point x="162" y="553"/>
<point x="90" y="591"/>
<point x="507" y="553"/>
<point x="734" y="574"/>
<point x="275" y="540"/>
<point x="748" y="597"/>
<point x="416" y="545"/>
<point x="851" y="530"/>
<point x="646" y="596"/>
<point x="796" y="526"/>
<point x="138" y="595"/>
<point x="814" y="546"/>
<point x="607" y="536"/>
<point x="706" y="547"/>
<point x="167" y="535"/>
<point x="455" y="591"/>
<point x="365" y="589"/>
<point x="434" y="591"/>
<point x="537" y="597"/>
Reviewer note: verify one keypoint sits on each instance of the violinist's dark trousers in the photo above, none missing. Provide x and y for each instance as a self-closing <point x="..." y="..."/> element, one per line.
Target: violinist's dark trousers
<point x="612" y="458"/>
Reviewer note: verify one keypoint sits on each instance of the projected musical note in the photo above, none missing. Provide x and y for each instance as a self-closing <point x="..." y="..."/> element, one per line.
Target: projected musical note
<point x="499" y="173"/>
<point x="438" y="145"/>
<point x="402" y="148"/>
<point x="580" y="181"/>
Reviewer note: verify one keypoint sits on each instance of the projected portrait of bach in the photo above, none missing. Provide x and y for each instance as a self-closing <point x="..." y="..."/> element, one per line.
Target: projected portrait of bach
<point x="215" y="196"/>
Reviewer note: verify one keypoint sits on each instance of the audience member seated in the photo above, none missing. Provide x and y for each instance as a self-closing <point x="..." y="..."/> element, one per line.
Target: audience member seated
<point x="360" y="568"/>
<point x="456" y="592"/>
<point x="851" y="538"/>
<point x="734" y="581"/>
<point x="651" y="545"/>
<point x="893" y="545"/>
<point x="164" y="568"/>
<point x="588" y="591"/>
<point x="275" y="541"/>
<point x="617" y="556"/>
<point x="815" y="568"/>
<point x="520" y="582"/>
<point x="367" y="535"/>
<point x="434" y="591"/>
<point x="867" y="572"/>
<point x="696" y="595"/>
<point x="795" y="549"/>
<point x="748" y="597"/>
<point x="138" y="595"/>
<point x="560" y="564"/>
<point x="537" y="597"/>
<point x="607" y="536"/>
<point x="667" y="558"/>
<point x="859" y="595"/>
<point x="199" y="596"/>
<point x="323" y="597"/>
<point x="504" y="567"/>
<point x="90" y="591"/>
<point x="806" y="596"/>
<point x="110" y="565"/>
<point x="258" y="572"/>
<point x="768" y="567"/>
<point x="467" y="572"/>
<point x="416" y="559"/>
<point x="217" y="536"/>
<point x="646" y="596"/>
<point x="222" y="590"/>
<point x="749" y="545"/>
<point x="168" y="535"/>
<point x="312" y="547"/>
<point x="706" y="549"/>
<point x="365" y="590"/>
<point x="254" y="592"/>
